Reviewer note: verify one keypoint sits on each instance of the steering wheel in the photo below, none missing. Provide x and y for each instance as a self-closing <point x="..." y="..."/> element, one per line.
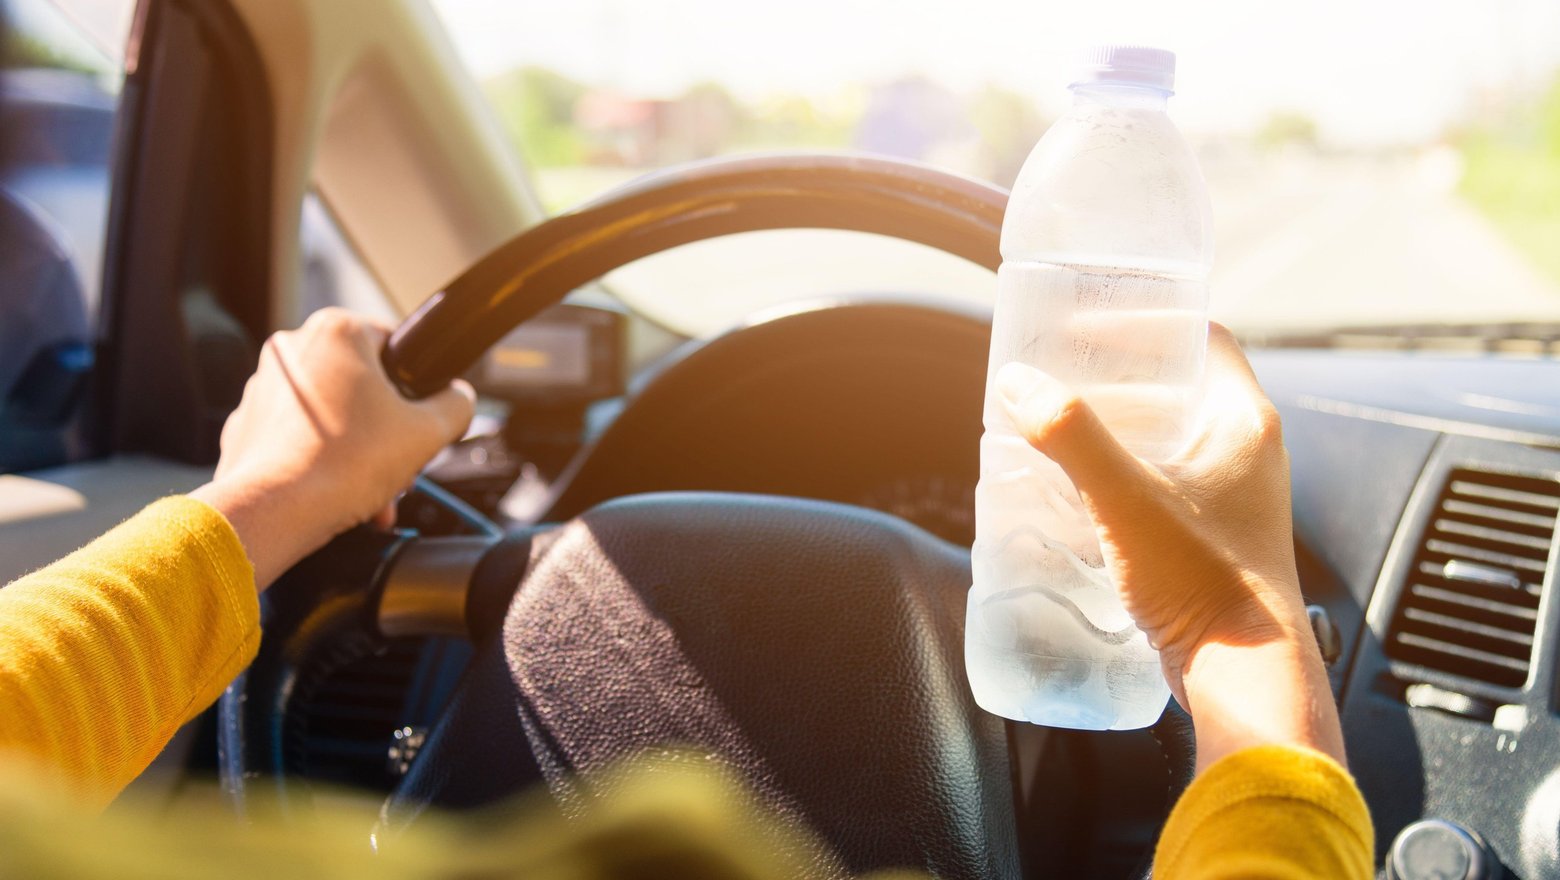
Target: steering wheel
<point x="813" y="648"/>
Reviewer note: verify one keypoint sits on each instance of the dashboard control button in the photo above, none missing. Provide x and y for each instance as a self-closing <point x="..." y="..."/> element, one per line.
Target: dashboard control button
<point x="1435" y="849"/>
<point x="1328" y="639"/>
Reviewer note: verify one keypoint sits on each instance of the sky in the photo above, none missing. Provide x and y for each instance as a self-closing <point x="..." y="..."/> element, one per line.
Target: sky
<point x="1370" y="72"/>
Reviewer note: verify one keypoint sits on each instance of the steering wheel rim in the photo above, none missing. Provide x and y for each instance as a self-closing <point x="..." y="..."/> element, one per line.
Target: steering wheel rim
<point x="685" y="204"/>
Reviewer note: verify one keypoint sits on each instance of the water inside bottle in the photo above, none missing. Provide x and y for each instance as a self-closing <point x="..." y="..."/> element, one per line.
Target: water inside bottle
<point x="1131" y="343"/>
<point x="1047" y="639"/>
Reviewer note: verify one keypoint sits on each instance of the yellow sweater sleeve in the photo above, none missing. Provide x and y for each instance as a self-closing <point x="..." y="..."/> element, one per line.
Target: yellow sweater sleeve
<point x="104" y="654"/>
<point x="1273" y="811"/>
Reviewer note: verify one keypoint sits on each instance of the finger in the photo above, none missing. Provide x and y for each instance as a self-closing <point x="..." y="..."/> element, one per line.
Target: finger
<point x="375" y="334"/>
<point x="454" y="406"/>
<point x="273" y="345"/>
<point x="368" y="340"/>
<point x="1227" y="360"/>
<point x="1234" y="400"/>
<point x="334" y="331"/>
<point x="328" y="322"/>
<point x="371" y="348"/>
<point x="1056" y="421"/>
<point x="384" y="520"/>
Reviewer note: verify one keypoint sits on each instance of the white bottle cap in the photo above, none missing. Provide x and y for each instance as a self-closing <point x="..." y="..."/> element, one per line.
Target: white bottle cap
<point x="1140" y="66"/>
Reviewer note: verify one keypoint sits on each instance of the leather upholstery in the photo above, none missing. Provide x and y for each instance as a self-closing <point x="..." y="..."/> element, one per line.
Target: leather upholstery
<point x="815" y="648"/>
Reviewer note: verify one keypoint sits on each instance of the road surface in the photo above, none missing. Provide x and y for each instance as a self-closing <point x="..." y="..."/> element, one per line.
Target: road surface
<point x="1308" y="243"/>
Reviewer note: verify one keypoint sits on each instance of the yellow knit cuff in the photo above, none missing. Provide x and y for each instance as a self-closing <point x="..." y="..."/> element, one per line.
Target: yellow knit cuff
<point x="224" y="552"/>
<point x="238" y="602"/>
<point x="1272" y="773"/>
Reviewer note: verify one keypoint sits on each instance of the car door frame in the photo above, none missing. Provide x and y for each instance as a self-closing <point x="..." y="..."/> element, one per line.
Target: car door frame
<point x="152" y="418"/>
<point x="193" y="76"/>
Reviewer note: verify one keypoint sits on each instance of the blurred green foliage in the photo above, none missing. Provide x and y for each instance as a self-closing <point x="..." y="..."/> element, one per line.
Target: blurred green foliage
<point x="1009" y="124"/>
<point x="536" y="107"/>
<point x="1512" y="173"/>
<point x="20" y="50"/>
<point x="795" y="123"/>
<point x="581" y="138"/>
<point x="1285" y="129"/>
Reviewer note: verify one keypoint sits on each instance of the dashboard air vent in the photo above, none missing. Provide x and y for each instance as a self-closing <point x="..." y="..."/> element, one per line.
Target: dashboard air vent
<point x="1470" y="605"/>
<point x="345" y="711"/>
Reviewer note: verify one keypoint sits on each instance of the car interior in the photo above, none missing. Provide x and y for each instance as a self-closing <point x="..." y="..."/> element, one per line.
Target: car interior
<point x="751" y="543"/>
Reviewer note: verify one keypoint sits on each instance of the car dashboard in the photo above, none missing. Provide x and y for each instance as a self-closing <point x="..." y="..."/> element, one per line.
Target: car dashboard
<point x="1425" y="488"/>
<point x="1425" y="494"/>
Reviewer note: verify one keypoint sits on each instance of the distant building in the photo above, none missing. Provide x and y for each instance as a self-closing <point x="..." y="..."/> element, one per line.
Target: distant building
<point x="619" y="130"/>
<point x="645" y="132"/>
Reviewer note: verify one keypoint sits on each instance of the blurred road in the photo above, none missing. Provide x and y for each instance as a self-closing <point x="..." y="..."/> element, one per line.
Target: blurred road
<point x="1309" y="243"/>
<point x="1302" y="243"/>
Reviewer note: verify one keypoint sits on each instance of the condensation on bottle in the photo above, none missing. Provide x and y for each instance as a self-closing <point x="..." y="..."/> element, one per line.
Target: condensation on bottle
<point x="1106" y="247"/>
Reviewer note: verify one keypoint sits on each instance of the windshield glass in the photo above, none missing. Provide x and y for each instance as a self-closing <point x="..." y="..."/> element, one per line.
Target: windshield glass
<point x="1387" y="163"/>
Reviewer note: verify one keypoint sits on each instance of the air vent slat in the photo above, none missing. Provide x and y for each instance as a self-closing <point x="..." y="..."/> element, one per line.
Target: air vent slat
<point x="1432" y="573"/>
<point x="1483" y="513"/>
<point x="327" y="710"/>
<point x="1470" y="609"/>
<point x="352" y="749"/>
<point x="367" y="689"/>
<point x="1430" y="595"/>
<point x="1494" y="557"/>
<point x="1455" y="650"/>
<point x="1513" y="497"/>
<point x="1429" y="620"/>
<point x="1497" y="536"/>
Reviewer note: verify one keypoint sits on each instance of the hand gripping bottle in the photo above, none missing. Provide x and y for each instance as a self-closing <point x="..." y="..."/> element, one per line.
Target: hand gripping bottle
<point x="1106" y="248"/>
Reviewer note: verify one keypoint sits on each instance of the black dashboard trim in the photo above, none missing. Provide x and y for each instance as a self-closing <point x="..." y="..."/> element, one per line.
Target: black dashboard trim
<point x="1488" y="774"/>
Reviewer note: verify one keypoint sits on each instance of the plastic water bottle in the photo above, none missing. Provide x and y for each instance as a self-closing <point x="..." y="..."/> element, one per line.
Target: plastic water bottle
<point x="1106" y="248"/>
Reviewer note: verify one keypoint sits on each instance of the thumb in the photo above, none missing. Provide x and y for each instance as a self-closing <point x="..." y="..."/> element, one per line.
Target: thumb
<point x="454" y="407"/>
<point x="1057" y="422"/>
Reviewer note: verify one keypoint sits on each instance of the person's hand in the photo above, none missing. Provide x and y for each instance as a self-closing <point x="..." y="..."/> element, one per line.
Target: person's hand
<point x="1200" y="546"/>
<point x="322" y="441"/>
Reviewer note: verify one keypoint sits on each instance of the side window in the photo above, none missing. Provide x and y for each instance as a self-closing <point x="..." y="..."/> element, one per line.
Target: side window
<point x="59" y="92"/>
<point x="333" y="273"/>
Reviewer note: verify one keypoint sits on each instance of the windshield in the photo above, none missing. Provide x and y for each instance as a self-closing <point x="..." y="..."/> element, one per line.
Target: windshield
<point x="1384" y="163"/>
